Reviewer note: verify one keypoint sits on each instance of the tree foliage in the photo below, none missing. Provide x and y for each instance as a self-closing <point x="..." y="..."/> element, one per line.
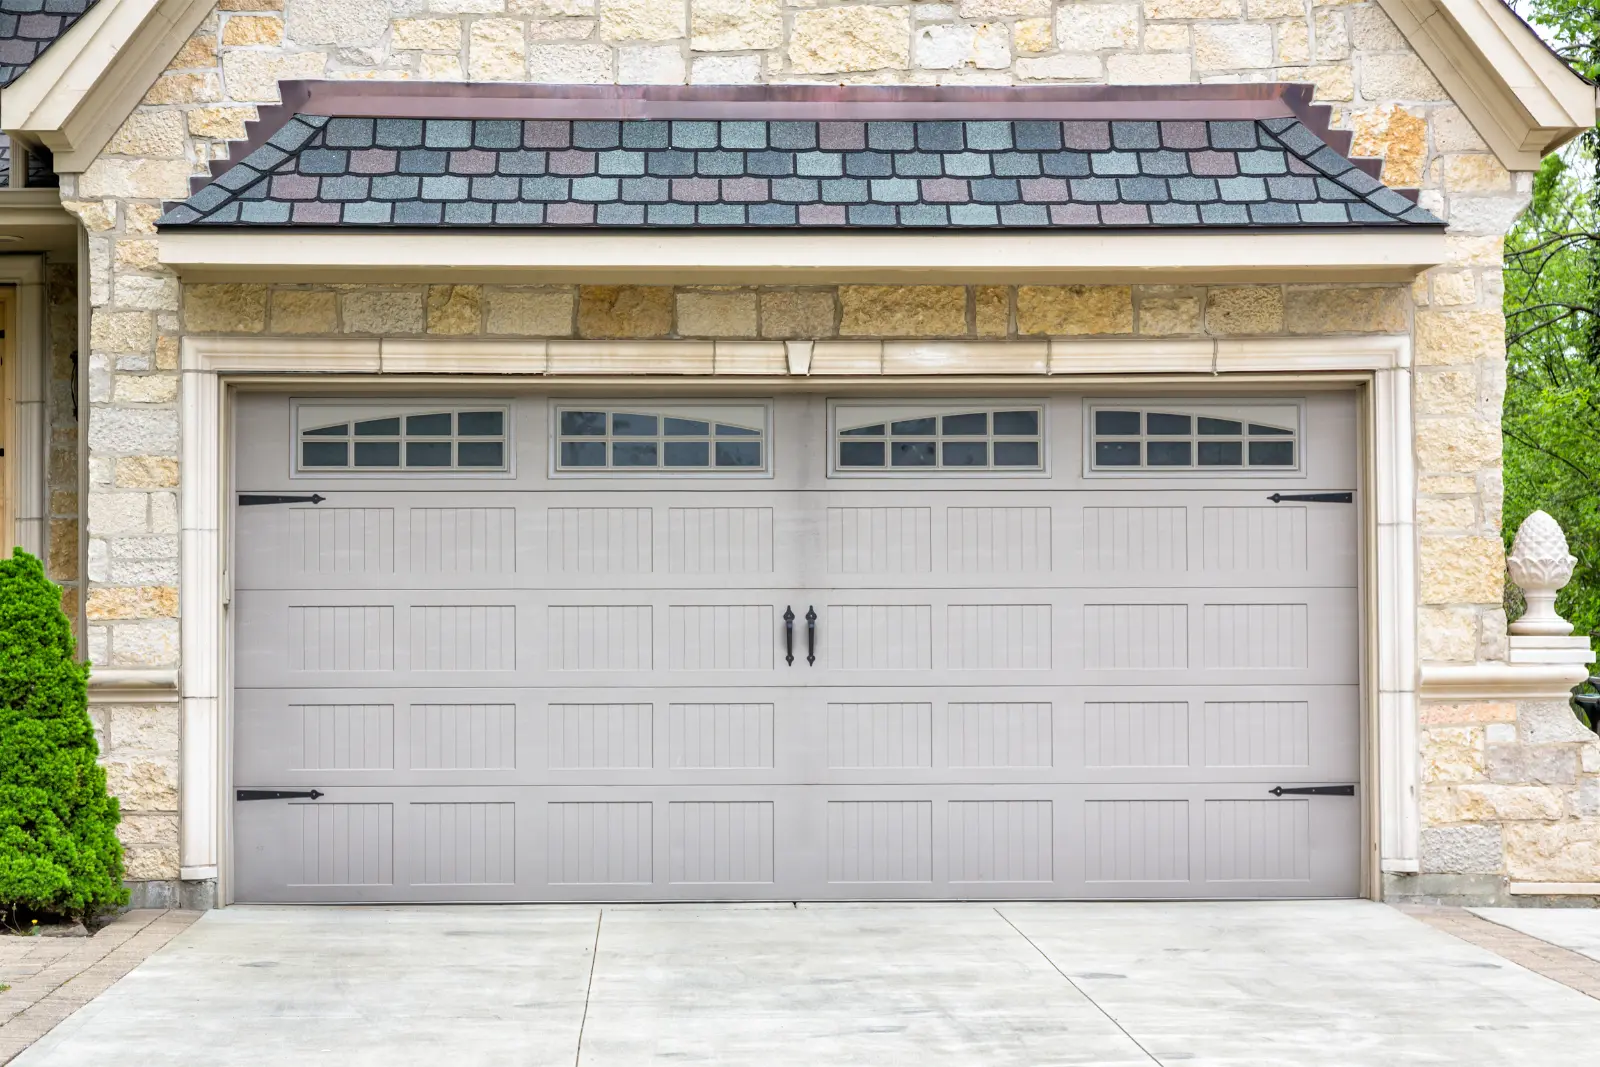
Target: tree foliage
<point x="59" y="852"/>
<point x="1552" y="305"/>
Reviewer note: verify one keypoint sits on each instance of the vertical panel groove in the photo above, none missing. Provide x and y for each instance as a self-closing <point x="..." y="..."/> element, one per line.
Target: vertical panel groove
<point x="351" y="737"/>
<point x="449" y="737"/>
<point x="464" y="844"/>
<point x="344" y="844"/>
<point x="719" y="841"/>
<point x="600" y="540"/>
<point x="599" y="637"/>
<point x="463" y="637"/>
<point x="1146" y="540"/>
<point x="720" y="637"/>
<point x="995" y="734"/>
<point x="1135" y="636"/>
<point x="342" y="540"/>
<point x="463" y="540"/>
<point x="883" y="637"/>
<point x="880" y="540"/>
<point x="1258" y="733"/>
<point x="1148" y="734"/>
<point x="988" y="540"/>
<point x="880" y="735"/>
<point x="1256" y="636"/>
<point x="1136" y="841"/>
<point x="719" y="540"/>
<point x="880" y="841"/>
<point x="1257" y="539"/>
<point x="719" y="736"/>
<point x="341" y="638"/>
<point x="1258" y="840"/>
<point x="600" y="736"/>
<point x="1001" y="841"/>
<point x="1013" y="637"/>
<point x="598" y="843"/>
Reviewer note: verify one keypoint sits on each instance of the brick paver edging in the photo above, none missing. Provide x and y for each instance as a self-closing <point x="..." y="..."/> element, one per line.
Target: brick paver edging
<point x="1572" y="969"/>
<point x="52" y="977"/>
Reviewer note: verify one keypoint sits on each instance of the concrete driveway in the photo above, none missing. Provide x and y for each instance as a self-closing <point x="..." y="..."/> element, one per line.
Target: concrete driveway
<point x="1286" y="984"/>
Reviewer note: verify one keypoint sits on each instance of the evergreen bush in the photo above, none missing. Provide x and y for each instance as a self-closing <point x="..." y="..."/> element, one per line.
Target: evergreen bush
<point x="59" y="852"/>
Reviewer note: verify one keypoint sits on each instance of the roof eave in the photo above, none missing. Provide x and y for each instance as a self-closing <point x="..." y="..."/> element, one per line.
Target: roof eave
<point x="81" y="89"/>
<point x="1519" y="95"/>
<point x="1394" y="254"/>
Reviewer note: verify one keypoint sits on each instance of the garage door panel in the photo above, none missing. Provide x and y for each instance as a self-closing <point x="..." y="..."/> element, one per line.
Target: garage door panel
<point x="573" y="686"/>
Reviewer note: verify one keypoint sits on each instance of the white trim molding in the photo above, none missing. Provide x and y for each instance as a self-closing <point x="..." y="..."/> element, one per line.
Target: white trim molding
<point x="107" y="686"/>
<point x="207" y="363"/>
<point x="76" y="95"/>
<point x="1394" y="254"/>
<point x="1518" y="94"/>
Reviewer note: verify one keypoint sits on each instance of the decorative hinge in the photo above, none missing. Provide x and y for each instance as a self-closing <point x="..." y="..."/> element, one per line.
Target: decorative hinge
<point x="1314" y="498"/>
<point x="278" y="794"/>
<point x="246" y="499"/>
<point x="1314" y="790"/>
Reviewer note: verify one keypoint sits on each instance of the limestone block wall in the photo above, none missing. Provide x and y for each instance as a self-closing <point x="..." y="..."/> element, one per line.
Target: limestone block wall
<point x="61" y="461"/>
<point x="1357" y="60"/>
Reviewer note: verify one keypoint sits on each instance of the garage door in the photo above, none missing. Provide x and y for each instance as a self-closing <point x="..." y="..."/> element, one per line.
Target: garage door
<point x="532" y="648"/>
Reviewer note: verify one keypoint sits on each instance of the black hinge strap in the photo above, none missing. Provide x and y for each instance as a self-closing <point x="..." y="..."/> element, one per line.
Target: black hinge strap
<point x="1315" y="498"/>
<point x="278" y="794"/>
<point x="246" y="499"/>
<point x="1314" y="791"/>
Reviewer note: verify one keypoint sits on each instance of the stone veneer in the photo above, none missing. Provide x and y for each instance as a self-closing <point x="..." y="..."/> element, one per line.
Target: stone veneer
<point x="1353" y="54"/>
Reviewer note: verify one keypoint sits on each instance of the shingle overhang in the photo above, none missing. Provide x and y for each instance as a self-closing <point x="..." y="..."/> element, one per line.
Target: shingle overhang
<point x="28" y="27"/>
<point x="365" y="157"/>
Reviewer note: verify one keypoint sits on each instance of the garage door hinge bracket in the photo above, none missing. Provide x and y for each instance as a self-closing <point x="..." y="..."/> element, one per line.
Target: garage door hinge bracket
<point x="1314" y="791"/>
<point x="246" y="499"/>
<point x="278" y="794"/>
<point x="1315" y="498"/>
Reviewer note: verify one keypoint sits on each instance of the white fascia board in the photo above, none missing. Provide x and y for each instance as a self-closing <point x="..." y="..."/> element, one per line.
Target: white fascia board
<point x="1389" y="255"/>
<point x="84" y="86"/>
<point x="1520" y="97"/>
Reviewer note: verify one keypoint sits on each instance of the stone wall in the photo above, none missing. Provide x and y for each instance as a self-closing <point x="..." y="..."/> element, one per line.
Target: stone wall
<point x="1353" y="54"/>
<point x="808" y="312"/>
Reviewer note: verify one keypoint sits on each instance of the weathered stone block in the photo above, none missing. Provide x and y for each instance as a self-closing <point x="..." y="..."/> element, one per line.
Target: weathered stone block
<point x="1541" y="722"/>
<point x="1091" y="27"/>
<point x="1060" y="68"/>
<point x="902" y="311"/>
<point x="986" y="46"/>
<point x="149" y="728"/>
<point x="1553" y="852"/>
<point x="1446" y="513"/>
<point x="143" y="784"/>
<point x="992" y="310"/>
<point x="641" y="20"/>
<point x="1452" y="754"/>
<point x="62" y="563"/>
<point x="1294" y="43"/>
<point x="1244" y="310"/>
<point x="798" y="314"/>
<point x="711" y="313"/>
<point x="1432" y="714"/>
<point x="1367" y="310"/>
<point x="250" y="30"/>
<point x="1032" y="35"/>
<point x="197" y="52"/>
<point x="1395" y="135"/>
<point x="149" y="135"/>
<point x="725" y="70"/>
<point x="304" y="311"/>
<point x="735" y="25"/>
<point x="1004" y="9"/>
<point x="651" y="65"/>
<point x="1454" y="288"/>
<point x="1457" y="444"/>
<point x="254" y="76"/>
<point x="225" y="308"/>
<point x="1447" y="635"/>
<point x="200" y="88"/>
<point x="497" y="50"/>
<point x="579" y="64"/>
<point x="843" y="39"/>
<point x="146" y="472"/>
<point x="1448" y="391"/>
<point x="624" y="311"/>
<point x="1333" y="38"/>
<point x="455" y="310"/>
<point x="1584" y="801"/>
<point x="1543" y="764"/>
<point x="1453" y="132"/>
<point x="134" y="430"/>
<point x="1487" y="802"/>
<point x="1232" y="46"/>
<point x="145" y="389"/>
<point x="1475" y="174"/>
<point x="346" y="23"/>
<point x="1400" y="77"/>
<point x="150" y="294"/>
<point x="138" y="179"/>
<point x="147" y="643"/>
<point x="1461" y="570"/>
<point x="529" y="312"/>
<point x="1192" y="9"/>
<point x="1371" y="30"/>
<point x="1165" y="69"/>
<point x="131" y="602"/>
<point x="382" y="311"/>
<point x="1462" y="850"/>
<point x="1074" y="310"/>
<point x="442" y="35"/>
<point x="148" y="829"/>
<point x="122" y="331"/>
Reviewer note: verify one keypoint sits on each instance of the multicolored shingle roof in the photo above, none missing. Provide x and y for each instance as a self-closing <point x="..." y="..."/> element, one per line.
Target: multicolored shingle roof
<point x="1034" y="173"/>
<point x="28" y="27"/>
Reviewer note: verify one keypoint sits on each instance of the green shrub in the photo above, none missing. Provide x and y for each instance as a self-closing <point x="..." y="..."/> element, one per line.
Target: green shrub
<point x="59" y="851"/>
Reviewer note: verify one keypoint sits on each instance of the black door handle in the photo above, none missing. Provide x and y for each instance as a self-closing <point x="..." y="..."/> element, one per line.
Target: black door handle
<point x="278" y="794"/>
<point x="788" y="635"/>
<point x="1314" y="790"/>
<point x="811" y="635"/>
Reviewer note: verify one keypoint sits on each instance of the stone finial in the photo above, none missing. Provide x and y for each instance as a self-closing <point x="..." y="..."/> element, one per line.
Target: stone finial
<point x="1541" y="565"/>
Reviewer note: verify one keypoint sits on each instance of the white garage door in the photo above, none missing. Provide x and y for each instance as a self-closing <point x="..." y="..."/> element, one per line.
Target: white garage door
<point x="524" y="648"/>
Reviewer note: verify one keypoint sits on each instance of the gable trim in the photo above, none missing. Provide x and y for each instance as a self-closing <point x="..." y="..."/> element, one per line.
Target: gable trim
<point x="1522" y="99"/>
<point x="80" y="91"/>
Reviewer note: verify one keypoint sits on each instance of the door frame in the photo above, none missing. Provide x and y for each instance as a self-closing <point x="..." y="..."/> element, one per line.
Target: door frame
<point x="24" y="517"/>
<point x="1378" y="369"/>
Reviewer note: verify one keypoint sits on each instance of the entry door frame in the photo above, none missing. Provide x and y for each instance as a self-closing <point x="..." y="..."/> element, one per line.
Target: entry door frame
<point x="24" y="419"/>
<point x="1379" y="368"/>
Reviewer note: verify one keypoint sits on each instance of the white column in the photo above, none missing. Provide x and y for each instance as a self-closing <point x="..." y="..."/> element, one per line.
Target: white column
<point x="1394" y="502"/>
<point x="200" y="626"/>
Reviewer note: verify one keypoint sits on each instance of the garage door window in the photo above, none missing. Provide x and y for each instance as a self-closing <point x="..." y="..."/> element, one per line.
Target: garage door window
<point x="963" y="438"/>
<point x="422" y="439"/>
<point x="1171" y="439"/>
<point x="639" y="440"/>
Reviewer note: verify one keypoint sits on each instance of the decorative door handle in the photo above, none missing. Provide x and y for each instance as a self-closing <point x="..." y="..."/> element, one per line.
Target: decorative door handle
<point x="788" y="635"/>
<point x="811" y="635"/>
